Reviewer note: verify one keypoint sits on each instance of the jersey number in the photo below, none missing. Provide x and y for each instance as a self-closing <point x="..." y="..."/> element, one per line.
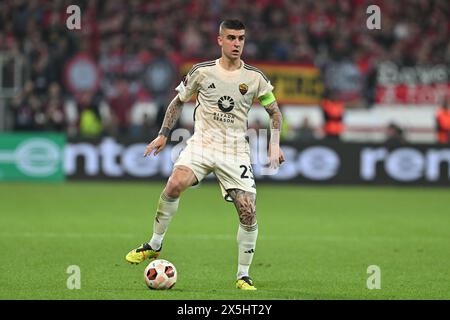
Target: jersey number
<point x="244" y="173"/>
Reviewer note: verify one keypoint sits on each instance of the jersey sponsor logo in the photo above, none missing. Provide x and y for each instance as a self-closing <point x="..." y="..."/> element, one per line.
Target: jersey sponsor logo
<point x="224" y="117"/>
<point x="212" y="86"/>
<point x="243" y="88"/>
<point x="226" y="103"/>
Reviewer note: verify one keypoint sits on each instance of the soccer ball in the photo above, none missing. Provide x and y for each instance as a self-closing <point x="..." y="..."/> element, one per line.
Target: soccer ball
<point x="160" y="274"/>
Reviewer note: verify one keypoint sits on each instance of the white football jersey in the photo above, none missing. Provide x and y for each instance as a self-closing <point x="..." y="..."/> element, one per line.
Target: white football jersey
<point x="224" y="99"/>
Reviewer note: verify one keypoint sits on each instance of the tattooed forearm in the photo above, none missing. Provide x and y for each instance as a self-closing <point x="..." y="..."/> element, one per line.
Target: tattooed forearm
<point x="245" y="203"/>
<point x="173" y="112"/>
<point x="276" y="120"/>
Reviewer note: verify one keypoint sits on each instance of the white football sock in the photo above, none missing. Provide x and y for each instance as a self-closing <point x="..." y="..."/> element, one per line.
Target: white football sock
<point x="167" y="207"/>
<point x="156" y="240"/>
<point x="246" y="238"/>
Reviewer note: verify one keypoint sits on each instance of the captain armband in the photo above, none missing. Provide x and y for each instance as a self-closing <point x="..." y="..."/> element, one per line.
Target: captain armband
<point x="266" y="99"/>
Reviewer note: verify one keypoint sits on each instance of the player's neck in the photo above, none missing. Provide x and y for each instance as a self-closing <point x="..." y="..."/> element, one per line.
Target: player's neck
<point x="229" y="64"/>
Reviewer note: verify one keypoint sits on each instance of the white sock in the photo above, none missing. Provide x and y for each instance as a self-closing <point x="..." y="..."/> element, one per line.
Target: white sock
<point x="167" y="207"/>
<point x="246" y="238"/>
<point x="156" y="241"/>
<point x="242" y="271"/>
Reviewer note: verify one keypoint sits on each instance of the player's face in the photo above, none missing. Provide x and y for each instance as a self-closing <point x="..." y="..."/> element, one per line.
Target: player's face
<point x="232" y="43"/>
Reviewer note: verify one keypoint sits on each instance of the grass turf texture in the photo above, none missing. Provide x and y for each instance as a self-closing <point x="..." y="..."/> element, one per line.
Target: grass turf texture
<point x="314" y="242"/>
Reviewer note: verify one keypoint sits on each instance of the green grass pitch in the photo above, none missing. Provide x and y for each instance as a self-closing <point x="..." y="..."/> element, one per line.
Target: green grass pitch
<point x="314" y="242"/>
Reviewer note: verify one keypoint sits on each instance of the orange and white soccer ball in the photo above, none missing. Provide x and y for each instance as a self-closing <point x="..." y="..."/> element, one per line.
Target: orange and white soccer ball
<point x="160" y="274"/>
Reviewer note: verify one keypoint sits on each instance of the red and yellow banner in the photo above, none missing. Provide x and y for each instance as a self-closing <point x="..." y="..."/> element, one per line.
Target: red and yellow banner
<point x="293" y="83"/>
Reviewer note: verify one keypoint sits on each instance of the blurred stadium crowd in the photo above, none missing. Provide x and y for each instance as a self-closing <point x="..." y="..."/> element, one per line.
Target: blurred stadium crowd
<point x="124" y="38"/>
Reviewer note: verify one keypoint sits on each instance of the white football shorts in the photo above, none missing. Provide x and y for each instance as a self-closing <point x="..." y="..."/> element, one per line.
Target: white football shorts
<point x="233" y="171"/>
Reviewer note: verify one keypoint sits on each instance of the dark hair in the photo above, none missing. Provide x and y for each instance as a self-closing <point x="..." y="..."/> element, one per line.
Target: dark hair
<point x="233" y="24"/>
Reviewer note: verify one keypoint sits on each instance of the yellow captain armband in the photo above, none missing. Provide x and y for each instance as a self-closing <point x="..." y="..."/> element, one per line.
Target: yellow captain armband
<point x="267" y="99"/>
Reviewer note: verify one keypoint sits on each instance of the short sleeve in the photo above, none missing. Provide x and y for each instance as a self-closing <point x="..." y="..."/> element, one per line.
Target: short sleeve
<point x="264" y="86"/>
<point x="188" y="86"/>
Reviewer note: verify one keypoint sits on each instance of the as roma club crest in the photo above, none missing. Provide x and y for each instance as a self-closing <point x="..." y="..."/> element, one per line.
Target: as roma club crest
<point x="243" y="88"/>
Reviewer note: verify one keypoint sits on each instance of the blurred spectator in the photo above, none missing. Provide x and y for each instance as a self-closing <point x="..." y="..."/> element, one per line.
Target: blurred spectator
<point x="121" y="105"/>
<point x="443" y="123"/>
<point x="54" y="109"/>
<point x="90" y="124"/>
<point x="286" y="132"/>
<point x="55" y="117"/>
<point x="333" y="113"/>
<point x="23" y="114"/>
<point x="305" y="133"/>
<point x="394" y="135"/>
<point x="142" y="119"/>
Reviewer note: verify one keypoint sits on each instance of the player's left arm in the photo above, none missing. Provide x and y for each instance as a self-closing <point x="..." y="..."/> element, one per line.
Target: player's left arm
<point x="276" y="156"/>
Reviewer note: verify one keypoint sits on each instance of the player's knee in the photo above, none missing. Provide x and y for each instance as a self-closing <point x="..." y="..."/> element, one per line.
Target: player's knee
<point x="247" y="218"/>
<point x="175" y="186"/>
<point x="247" y="213"/>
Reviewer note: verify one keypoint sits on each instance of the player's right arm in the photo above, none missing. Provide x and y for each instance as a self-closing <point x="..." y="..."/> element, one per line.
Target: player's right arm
<point x="186" y="90"/>
<point x="172" y="115"/>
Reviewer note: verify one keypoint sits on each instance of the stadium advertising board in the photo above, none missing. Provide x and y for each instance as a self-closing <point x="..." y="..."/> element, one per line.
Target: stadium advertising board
<point x="293" y="83"/>
<point x="33" y="157"/>
<point x="319" y="163"/>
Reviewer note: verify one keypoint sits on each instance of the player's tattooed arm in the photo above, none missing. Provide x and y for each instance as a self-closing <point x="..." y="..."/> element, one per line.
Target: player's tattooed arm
<point x="173" y="113"/>
<point x="245" y="203"/>
<point x="276" y="119"/>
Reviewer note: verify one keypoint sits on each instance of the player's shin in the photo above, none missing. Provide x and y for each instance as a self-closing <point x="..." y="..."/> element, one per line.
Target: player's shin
<point x="167" y="207"/>
<point x="246" y="238"/>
